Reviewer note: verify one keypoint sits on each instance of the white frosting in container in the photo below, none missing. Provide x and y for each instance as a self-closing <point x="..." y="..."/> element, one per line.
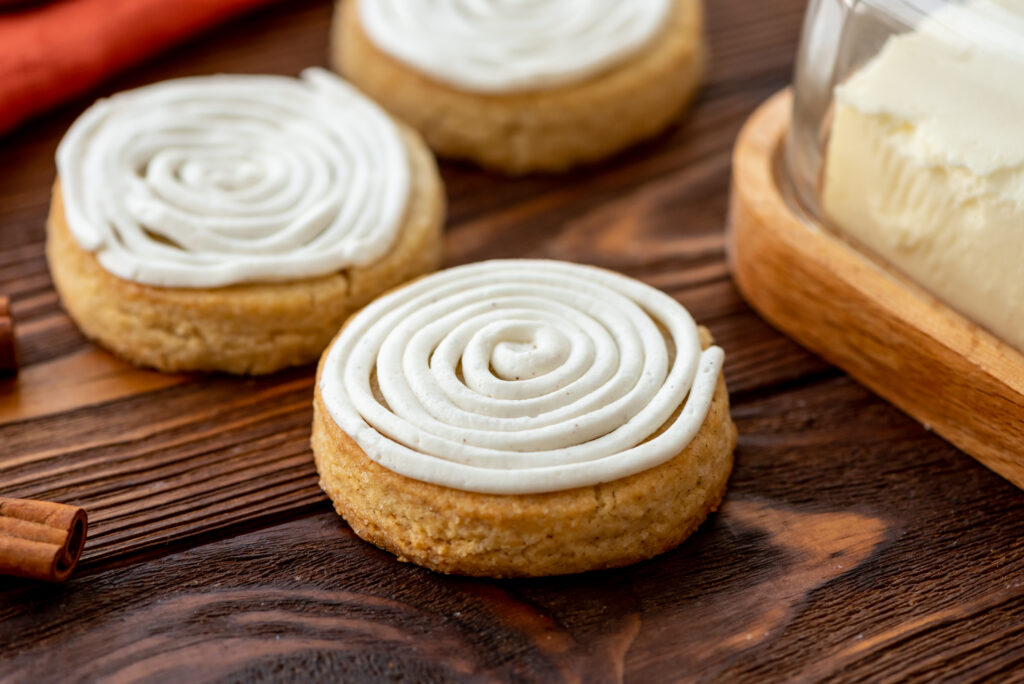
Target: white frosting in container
<point x="520" y="376"/>
<point x="925" y="159"/>
<point x="218" y="180"/>
<point x="958" y="80"/>
<point x="497" y="46"/>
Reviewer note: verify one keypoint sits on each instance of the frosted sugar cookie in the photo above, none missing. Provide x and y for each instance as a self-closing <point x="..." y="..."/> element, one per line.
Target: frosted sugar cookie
<point x="525" y="86"/>
<point x="234" y="222"/>
<point x="522" y="417"/>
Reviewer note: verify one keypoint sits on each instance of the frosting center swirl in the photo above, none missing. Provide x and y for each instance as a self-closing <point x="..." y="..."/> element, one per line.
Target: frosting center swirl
<point x="520" y="376"/>
<point x="217" y="180"/>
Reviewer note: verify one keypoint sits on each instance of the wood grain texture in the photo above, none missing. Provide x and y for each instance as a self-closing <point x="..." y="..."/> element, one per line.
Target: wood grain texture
<point x="853" y="545"/>
<point x="8" y="353"/>
<point x="828" y="580"/>
<point x="887" y="333"/>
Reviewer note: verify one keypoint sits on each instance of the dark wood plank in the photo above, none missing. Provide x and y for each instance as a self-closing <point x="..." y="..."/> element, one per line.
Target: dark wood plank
<point x="833" y="557"/>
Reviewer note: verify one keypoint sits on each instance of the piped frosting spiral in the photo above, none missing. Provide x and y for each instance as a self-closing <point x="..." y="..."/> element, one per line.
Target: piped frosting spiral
<point x="495" y="46"/>
<point x="520" y="376"/>
<point x="218" y="180"/>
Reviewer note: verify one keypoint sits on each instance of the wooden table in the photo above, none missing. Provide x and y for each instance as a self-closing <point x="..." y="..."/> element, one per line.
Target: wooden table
<point x="852" y="545"/>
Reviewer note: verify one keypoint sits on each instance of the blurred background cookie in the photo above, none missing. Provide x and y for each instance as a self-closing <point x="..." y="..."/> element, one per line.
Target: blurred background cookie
<point x="520" y="87"/>
<point x="523" y="417"/>
<point x="232" y="223"/>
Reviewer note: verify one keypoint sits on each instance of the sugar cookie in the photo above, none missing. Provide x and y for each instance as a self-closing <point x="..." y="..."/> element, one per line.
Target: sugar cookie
<point x="523" y="417"/>
<point x="233" y="222"/>
<point x="528" y="86"/>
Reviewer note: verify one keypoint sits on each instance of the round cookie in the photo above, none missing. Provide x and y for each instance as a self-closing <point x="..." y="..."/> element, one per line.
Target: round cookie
<point x="551" y="127"/>
<point x="464" y="493"/>
<point x="250" y="327"/>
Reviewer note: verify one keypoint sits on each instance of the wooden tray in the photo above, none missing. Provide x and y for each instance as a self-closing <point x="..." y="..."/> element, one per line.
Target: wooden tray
<point x="937" y="366"/>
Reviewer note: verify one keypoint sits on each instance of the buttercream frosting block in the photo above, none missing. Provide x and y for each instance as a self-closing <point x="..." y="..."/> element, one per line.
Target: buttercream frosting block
<point x="500" y="46"/>
<point x="220" y="180"/>
<point x="925" y="160"/>
<point x="520" y="377"/>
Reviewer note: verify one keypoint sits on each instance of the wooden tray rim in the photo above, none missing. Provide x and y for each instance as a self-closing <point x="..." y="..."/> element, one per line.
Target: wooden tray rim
<point x="988" y="372"/>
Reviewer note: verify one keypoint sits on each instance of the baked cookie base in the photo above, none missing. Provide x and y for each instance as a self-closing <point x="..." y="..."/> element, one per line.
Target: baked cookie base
<point x="588" y="528"/>
<point x="244" y="329"/>
<point x="546" y="130"/>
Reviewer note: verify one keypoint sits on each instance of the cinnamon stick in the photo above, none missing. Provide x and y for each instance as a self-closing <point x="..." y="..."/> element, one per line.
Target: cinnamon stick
<point x="39" y="539"/>
<point x="8" y="358"/>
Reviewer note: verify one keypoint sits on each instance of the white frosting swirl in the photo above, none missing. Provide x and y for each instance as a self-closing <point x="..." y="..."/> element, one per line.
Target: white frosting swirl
<point x="520" y="376"/>
<point x="216" y="180"/>
<point x="494" y="46"/>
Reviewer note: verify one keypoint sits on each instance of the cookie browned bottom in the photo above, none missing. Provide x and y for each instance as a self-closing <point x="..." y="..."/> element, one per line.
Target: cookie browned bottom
<point x="250" y="328"/>
<point x="544" y="130"/>
<point x="499" y="535"/>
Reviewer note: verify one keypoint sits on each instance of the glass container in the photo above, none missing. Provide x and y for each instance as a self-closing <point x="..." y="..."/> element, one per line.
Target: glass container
<point x="907" y="139"/>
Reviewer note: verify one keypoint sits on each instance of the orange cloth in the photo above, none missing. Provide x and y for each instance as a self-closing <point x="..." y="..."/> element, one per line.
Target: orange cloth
<point x="54" y="51"/>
